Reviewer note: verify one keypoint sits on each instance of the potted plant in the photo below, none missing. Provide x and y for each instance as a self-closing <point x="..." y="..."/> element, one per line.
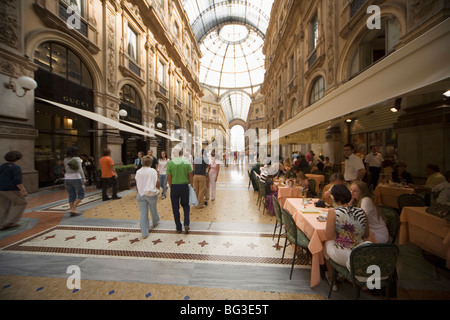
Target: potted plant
<point x="124" y="173"/>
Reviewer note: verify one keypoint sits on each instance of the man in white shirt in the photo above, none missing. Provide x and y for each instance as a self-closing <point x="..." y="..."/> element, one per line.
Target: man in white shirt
<point x="374" y="161"/>
<point x="354" y="167"/>
<point x="441" y="192"/>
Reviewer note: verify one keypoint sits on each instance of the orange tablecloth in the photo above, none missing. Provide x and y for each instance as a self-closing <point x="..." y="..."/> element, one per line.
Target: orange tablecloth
<point x="287" y="192"/>
<point x="429" y="232"/>
<point x="314" y="230"/>
<point x="387" y="196"/>
<point x="318" y="178"/>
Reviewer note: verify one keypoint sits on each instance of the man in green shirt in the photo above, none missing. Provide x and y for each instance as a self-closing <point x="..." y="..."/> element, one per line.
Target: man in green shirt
<point x="179" y="176"/>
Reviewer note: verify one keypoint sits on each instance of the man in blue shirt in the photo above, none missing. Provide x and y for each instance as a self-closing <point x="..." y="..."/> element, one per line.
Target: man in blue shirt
<point x="12" y="191"/>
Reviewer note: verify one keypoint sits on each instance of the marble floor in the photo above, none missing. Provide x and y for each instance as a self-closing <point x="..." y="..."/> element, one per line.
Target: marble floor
<point x="229" y="253"/>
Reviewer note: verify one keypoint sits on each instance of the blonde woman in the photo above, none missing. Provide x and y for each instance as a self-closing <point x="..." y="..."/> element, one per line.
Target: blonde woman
<point x="362" y="198"/>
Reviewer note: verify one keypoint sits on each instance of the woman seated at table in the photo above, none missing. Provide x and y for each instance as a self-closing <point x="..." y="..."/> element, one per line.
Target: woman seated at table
<point x="400" y="175"/>
<point x="302" y="180"/>
<point x="335" y="178"/>
<point x="347" y="226"/>
<point x="271" y="190"/>
<point x="362" y="198"/>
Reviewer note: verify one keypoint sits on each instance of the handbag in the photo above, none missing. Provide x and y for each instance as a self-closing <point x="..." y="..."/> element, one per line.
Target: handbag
<point x="192" y="197"/>
<point x="440" y="210"/>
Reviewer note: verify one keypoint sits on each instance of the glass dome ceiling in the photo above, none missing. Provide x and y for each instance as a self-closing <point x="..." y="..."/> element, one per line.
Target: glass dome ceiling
<point x="231" y="37"/>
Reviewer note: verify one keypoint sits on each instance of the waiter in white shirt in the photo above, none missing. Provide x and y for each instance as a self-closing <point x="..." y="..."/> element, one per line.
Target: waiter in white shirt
<point x="374" y="161"/>
<point x="354" y="168"/>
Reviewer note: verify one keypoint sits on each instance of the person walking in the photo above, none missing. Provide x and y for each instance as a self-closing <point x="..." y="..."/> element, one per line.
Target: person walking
<point x="214" y="169"/>
<point x="179" y="176"/>
<point x="12" y="192"/>
<point x="138" y="161"/>
<point x="89" y="165"/>
<point x="163" y="162"/>
<point x="154" y="159"/>
<point x="74" y="180"/>
<point x="147" y="186"/>
<point x="109" y="176"/>
<point x="200" y="168"/>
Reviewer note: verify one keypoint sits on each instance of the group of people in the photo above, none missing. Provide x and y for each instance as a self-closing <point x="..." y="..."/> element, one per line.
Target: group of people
<point x="179" y="173"/>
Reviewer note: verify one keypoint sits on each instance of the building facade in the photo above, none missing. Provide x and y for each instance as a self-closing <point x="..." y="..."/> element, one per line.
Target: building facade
<point x="335" y="69"/>
<point x="101" y="56"/>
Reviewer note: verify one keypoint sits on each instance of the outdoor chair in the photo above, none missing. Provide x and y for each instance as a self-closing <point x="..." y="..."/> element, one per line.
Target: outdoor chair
<point x="392" y="222"/>
<point x="410" y="200"/>
<point x="311" y="189"/>
<point x="263" y="195"/>
<point x="295" y="237"/>
<point x="380" y="256"/>
<point x="279" y="219"/>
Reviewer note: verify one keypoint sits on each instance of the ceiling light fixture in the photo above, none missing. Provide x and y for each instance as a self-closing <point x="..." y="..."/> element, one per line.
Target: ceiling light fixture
<point x="447" y="94"/>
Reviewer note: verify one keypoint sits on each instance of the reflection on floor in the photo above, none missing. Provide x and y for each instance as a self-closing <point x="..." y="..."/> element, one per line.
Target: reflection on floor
<point x="228" y="254"/>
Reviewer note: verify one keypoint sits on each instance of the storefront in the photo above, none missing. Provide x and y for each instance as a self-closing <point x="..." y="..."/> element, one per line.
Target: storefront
<point x="62" y="77"/>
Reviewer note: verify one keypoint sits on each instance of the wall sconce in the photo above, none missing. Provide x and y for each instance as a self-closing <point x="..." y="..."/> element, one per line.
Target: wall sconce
<point x="123" y="113"/>
<point x="26" y="83"/>
<point x="159" y="125"/>
<point x="349" y="120"/>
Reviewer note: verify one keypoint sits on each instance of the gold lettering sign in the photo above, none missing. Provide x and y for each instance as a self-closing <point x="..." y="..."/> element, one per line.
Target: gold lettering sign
<point x="76" y="102"/>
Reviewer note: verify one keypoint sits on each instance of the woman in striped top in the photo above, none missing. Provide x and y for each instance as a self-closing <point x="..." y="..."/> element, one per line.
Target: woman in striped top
<point x="347" y="226"/>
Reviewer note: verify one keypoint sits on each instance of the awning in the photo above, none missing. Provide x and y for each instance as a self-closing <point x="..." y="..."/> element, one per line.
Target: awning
<point x="150" y="130"/>
<point x="422" y="62"/>
<point x="109" y="122"/>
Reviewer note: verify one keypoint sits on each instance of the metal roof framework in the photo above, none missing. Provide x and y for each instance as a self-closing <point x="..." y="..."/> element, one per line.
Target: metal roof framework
<point x="231" y="36"/>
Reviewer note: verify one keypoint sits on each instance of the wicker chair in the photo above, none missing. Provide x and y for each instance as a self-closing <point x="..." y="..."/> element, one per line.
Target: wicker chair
<point x="279" y="219"/>
<point x="410" y="200"/>
<point x="294" y="235"/>
<point x="382" y="255"/>
<point x="262" y="195"/>
<point x="311" y="188"/>
<point x="392" y="222"/>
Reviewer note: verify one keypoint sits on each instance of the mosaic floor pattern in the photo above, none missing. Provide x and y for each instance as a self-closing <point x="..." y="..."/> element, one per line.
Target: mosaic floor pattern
<point x="39" y="288"/>
<point x="200" y="246"/>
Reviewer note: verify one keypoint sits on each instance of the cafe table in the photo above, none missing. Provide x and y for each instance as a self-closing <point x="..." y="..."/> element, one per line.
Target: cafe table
<point x="285" y="192"/>
<point x="386" y="195"/>
<point x="319" y="178"/>
<point x="426" y="231"/>
<point x="305" y="217"/>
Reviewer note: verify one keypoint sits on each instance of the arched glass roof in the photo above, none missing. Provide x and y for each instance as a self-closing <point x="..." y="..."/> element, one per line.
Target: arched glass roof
<point x="231" y="37"/>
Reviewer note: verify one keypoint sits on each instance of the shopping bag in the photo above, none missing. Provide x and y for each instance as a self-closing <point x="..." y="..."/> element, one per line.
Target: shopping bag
<point x="192" y="197"/>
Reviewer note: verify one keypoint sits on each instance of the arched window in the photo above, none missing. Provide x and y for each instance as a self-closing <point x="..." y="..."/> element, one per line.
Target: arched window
<point x="293" y="109"/>
<point x="160" y="117"/>
<point x="375" y="45"/>
<point x="177" y="121"/>
<point x="131" y="103"/>
<point x="60" y="60"/>
<point x="280" y="118"/>
<point x="317" y="90"/>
